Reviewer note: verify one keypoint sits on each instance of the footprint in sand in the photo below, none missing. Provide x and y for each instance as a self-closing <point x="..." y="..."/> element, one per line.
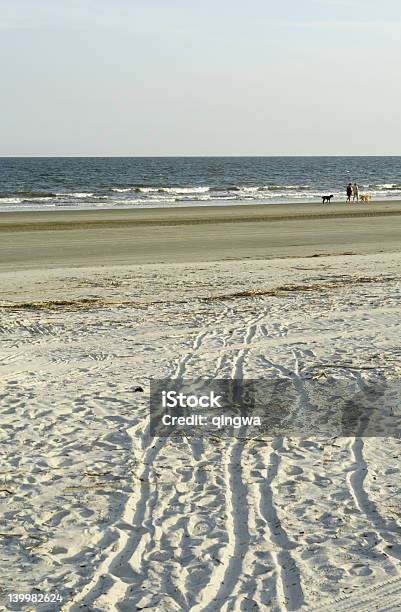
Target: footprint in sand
<point x="359" y="570"/>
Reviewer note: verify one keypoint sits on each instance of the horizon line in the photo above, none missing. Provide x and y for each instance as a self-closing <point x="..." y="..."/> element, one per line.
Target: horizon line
<point x="101" y="156"/>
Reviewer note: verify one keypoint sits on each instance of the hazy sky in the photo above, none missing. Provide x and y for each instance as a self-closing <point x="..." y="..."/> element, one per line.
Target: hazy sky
<point x="209" y="77"/>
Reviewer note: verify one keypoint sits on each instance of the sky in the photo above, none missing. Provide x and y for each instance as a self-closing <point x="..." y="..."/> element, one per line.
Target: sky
<point x="216" y="77"/>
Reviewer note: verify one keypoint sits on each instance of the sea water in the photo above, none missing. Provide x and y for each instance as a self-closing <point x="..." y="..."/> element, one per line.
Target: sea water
<point x="55" y="183"/>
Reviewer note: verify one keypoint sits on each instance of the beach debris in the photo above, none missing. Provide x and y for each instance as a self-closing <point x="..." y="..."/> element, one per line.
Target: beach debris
<point x="282" y="291"/>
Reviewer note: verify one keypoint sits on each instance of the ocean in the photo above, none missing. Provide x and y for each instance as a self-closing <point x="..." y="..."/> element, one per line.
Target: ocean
<point x="53" y="183"/>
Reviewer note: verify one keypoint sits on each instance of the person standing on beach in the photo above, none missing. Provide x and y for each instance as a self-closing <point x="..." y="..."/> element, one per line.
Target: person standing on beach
<point x="356" y="192"/>
<point x="349" y="192"/>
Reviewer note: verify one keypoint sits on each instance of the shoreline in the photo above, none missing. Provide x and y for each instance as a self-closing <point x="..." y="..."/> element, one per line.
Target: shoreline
<point x="79" y="206"/>
<point x="195" y="213"/>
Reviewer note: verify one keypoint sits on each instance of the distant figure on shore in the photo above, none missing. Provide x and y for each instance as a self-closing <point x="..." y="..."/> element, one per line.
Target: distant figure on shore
<point x="349" y="192"/>
<point x="355" y="191"/>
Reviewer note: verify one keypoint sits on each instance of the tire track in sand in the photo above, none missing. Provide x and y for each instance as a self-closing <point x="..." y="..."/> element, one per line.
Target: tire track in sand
<point x="226" y="576"/>
<point x="118" y="571"/>
<point x="289" y="592"/>
<point x="288" y="582"/>
<point x="356" y="482"/>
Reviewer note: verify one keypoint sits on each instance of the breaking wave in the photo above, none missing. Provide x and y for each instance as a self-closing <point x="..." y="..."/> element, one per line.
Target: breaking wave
<point x="146" y="195"/>
<point x="28" y="194"/>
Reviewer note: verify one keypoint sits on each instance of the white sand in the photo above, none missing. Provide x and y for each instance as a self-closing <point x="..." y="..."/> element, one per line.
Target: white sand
<point x="93" y="509"/>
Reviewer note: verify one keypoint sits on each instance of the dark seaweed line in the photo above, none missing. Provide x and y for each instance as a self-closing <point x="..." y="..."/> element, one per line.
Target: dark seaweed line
<point x="82" y="303"/>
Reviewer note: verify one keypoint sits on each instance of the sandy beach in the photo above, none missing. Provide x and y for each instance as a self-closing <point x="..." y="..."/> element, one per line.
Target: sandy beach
<point x="95" y="304"/>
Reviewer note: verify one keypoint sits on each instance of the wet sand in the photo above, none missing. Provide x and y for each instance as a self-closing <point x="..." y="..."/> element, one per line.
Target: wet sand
<point x="79" y="238"/>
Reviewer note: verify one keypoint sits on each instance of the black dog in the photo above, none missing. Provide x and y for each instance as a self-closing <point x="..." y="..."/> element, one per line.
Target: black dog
<point x="327" y="199"/>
